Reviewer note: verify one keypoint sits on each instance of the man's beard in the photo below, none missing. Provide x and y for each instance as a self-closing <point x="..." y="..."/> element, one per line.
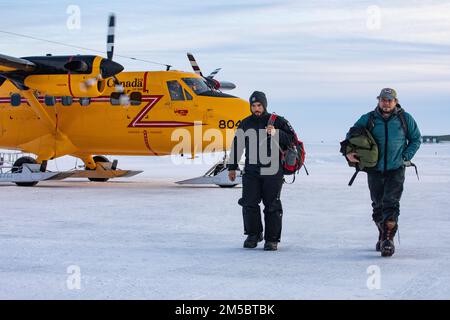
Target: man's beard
<point x="387" y="111"/>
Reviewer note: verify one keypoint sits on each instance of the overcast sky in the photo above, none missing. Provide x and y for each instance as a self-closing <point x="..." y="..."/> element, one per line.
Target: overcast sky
<point x="321" y="63"/>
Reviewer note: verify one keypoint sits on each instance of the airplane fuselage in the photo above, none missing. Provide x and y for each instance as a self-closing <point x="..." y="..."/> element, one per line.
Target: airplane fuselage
<point x="144" y="125"/>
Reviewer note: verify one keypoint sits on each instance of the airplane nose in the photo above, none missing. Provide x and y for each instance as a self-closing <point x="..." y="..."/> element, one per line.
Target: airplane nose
<point x="243" y="108"/>
<point x="110" y="68"/>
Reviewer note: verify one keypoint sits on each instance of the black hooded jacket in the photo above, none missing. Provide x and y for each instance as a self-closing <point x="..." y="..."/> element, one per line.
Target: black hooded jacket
<point x="286" y="138"/>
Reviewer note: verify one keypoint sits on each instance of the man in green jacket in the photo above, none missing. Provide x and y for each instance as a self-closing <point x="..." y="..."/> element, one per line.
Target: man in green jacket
<point x="398" y="138"/>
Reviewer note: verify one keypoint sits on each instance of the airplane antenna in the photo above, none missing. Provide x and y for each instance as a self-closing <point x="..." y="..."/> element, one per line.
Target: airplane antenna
<point x="79" y="47"/>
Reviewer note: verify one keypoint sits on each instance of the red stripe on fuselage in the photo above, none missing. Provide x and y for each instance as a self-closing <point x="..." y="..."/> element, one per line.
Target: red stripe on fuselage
<point x="68" y="76"/>
<point x="137" y="121"/>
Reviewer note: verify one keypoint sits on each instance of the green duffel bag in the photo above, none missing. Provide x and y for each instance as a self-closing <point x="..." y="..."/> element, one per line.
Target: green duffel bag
<point x="364" y="145"/>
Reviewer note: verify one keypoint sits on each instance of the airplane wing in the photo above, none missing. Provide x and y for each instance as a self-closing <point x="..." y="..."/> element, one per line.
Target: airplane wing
<point x="8" y="64"/>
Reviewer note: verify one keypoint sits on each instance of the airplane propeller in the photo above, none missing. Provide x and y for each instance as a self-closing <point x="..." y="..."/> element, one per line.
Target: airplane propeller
<point x="212" y="83"/>
<point x="108" y="68"/>
<point x="110" y="49"/>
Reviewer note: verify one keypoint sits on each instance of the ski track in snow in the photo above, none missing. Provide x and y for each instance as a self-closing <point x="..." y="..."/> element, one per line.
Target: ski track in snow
<point x="147" y="238"/>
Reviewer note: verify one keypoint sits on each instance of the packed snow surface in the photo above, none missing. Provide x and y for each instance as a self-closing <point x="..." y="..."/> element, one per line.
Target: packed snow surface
<point x="146" y="237"/>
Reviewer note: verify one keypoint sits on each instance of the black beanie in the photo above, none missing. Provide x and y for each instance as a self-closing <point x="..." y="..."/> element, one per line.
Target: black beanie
<point x="260" y="97"/>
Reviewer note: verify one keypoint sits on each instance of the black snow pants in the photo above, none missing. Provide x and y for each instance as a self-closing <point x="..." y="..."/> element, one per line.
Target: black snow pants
<point x="386" y="189"/>
<point x="256" y="187"/>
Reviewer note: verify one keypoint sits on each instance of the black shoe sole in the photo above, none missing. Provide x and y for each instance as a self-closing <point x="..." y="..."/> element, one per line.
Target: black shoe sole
<point x="252" y="245"/>
<point x="270" y="247"/>
<point x="387" y="252"/>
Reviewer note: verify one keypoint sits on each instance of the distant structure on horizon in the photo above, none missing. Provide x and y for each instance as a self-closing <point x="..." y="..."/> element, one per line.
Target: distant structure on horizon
<point x="435" y="139"/>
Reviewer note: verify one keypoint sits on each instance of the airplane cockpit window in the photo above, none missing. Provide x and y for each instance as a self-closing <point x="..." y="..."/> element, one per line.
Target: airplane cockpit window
<point x="197" y="85"/>
<point x="188" y="95"/>
<point x="201" y="88"/>
<point x="16" y="99"/>
<point x="175" y="90"/>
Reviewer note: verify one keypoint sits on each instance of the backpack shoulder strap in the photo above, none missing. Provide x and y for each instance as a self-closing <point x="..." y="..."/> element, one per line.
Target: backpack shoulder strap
<point x="354" y="176"/>
<point x="272" y="119"/>
<point x="401" y="116"/>
<point x="370" y="122"/>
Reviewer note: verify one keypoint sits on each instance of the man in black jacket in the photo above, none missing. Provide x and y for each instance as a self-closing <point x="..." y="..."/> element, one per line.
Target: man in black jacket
<point x="263" y="174"/>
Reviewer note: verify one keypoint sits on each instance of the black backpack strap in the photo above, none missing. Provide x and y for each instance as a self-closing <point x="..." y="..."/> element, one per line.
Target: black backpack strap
<point x="293" y="180"/>
<point x="273" y="118"/>
<point x="401" y="116"/>
<point x="370" y="122"/>
<point x="410" y="164"/>
<point x="417" y="172"/>
<point x="306" y="170"/>
<point x="354" y="176"/>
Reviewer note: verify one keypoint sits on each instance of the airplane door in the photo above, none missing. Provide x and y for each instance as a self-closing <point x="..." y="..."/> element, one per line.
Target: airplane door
<point x="181" y="101"/>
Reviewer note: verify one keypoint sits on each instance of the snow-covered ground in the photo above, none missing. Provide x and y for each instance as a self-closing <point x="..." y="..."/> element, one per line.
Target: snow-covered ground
<point x="146" y="237"/>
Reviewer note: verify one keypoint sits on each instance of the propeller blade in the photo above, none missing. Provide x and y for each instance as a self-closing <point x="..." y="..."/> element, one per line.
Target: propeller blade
<point x="194" y="64"/>
<point x="213" y="74"/>
<point x="210" y="81"/>
<point x="110" y="37"/>
<point x="108" y="67"/>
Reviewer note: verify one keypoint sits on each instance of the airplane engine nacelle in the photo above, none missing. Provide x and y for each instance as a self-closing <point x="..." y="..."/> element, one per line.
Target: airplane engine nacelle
<point x="75" y="85"/>
<point x="79" y="76"/>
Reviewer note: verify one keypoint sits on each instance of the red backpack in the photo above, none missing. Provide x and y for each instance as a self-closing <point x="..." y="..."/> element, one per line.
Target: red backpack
<point x="293" y="158"/>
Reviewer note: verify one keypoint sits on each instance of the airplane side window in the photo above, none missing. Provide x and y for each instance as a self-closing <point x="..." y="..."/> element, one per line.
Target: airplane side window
<point x="85" y="102"/>
<point x="197" y="85"/>
<point x="188" y="95"/>
<point x="16" y="100"/>
<point x="115" y="98"/>
<point x="49" y="101"/>
<point x="67" y="101"/>
<point x="175" y="90"/>
<point x="135" y="98"/>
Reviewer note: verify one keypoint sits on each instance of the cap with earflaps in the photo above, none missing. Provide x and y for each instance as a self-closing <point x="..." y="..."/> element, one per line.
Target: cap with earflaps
<point x="260" y="97"/>
<point x="388" y="93"/>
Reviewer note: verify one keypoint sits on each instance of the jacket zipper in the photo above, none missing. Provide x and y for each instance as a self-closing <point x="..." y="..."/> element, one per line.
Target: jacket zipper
<point x="385" y="144"/>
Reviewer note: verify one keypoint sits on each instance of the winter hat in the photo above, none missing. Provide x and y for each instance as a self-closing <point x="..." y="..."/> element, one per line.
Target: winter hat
<point x="260" y="97"/>
<point x="388" y="93"/>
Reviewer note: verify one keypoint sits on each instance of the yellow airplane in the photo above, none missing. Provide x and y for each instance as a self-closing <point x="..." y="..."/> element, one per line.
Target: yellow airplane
<point x="85" y="106"/>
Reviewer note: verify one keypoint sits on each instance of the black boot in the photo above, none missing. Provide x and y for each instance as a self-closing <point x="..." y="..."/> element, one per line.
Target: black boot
<point x="252" y="240"/>
<point x="270" y="245"/>
<point x="380" y="236"/>
<point x="387" y="246"/>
